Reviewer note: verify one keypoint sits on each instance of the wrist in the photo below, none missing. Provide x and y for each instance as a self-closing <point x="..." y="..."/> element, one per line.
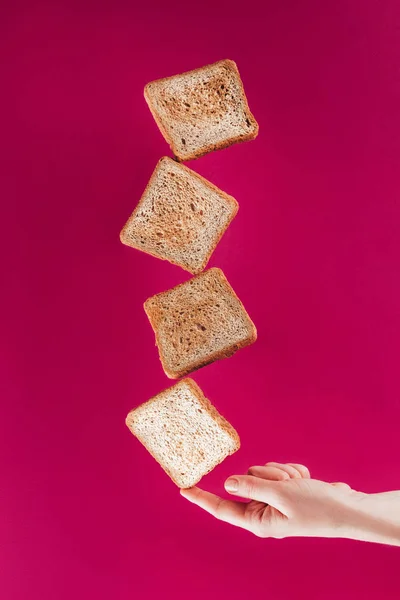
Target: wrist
<point x="373" y="518"/>
<point x="343" y="521"/>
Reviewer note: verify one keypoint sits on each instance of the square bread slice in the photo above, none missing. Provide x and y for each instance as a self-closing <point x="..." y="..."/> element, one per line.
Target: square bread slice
<point x="198" y="322"/>
<point x="201" y="110"/>
<point x="180" y="217"/>
<point x="184" y="432"/>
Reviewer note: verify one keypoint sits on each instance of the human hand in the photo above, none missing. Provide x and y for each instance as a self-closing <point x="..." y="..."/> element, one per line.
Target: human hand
<point x="284" y="502"/>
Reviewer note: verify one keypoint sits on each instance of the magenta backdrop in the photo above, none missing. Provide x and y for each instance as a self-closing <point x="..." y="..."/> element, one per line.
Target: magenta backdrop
<point x="314" y="255"/>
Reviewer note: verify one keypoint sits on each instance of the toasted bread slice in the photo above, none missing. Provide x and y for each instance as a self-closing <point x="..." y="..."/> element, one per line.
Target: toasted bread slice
<point x="184" y="432"/>
<point x="198" y="322"/>
<point x="180" y="217"/>
<point x="202" y="110"/>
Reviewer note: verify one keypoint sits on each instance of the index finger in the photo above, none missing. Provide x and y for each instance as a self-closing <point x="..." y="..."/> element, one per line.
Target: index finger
<point x="228" y="511"/>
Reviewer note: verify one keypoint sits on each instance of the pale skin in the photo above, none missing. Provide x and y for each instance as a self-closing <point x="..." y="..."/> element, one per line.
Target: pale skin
<point x="283" y="501"/>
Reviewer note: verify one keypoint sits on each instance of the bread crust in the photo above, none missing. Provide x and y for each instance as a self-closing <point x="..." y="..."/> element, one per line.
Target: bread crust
<point x="251" y="135"/>
<point x="154" y="315"/>
<point x="125" y="239"/>
<point x="208" y="407"/>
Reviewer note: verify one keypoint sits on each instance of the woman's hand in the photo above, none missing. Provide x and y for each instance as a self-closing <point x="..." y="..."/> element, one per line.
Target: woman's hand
<point x="284" y="502"/>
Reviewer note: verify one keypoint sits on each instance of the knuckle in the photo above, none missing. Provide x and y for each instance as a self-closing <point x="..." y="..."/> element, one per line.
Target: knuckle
<point x="341" y="484"/>
<point x="302" y="470"/>
<point x="247" y="487"/>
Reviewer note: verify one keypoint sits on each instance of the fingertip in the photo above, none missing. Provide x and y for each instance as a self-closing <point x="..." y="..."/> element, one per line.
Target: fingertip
<point x="253" y="470"/>
<point x="268" y="473"/>
<point x="187" y="492"/>
<point x="231" y="485"/>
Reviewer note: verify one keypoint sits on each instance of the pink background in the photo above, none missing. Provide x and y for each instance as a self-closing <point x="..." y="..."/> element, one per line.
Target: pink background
<point x="313" y="253"/>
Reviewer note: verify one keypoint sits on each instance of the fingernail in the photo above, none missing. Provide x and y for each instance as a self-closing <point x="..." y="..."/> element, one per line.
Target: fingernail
<point x="231" y="485"/>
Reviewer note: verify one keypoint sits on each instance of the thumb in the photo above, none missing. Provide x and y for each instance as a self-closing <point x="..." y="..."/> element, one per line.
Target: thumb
<point x="254" y="488"/>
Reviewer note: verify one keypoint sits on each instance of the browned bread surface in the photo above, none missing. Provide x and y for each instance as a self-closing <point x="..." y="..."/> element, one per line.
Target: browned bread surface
<point x="198" y="322"/>
<point x="180" y="217"/>
<point x="202" y="110"/>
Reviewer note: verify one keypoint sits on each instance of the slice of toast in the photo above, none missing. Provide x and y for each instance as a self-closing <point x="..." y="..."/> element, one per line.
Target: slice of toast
<point x="184" y="432"/>
<point x="201" y="110"/>
<point x="180" y="217"/>
<point x="198" y="322"/>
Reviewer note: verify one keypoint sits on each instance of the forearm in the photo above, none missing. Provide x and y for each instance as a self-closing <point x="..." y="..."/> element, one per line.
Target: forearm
<point x="375" y="518"/>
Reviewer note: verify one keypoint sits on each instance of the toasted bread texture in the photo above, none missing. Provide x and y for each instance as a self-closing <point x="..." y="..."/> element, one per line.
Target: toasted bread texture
<point x="201" y="110"/>
<point x="180" y="217"/>
<point x="198" y="322"/>
<point x="184" y="432"/>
